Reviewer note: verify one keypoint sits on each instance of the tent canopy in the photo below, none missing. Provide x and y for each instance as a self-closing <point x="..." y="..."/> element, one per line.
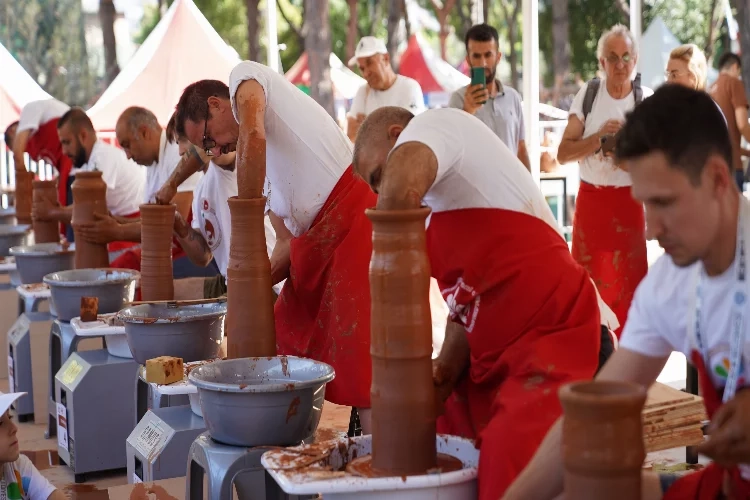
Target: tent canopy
<point x="183" y="48"/>
<point x="17" y="89"/>
<point x="434" y="74"/>
<point x="345" y="81"/>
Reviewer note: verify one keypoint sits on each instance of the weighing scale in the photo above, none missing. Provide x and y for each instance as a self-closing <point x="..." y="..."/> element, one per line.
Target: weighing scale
<point x="225" y="466"/>
<point x="94" y="415"/>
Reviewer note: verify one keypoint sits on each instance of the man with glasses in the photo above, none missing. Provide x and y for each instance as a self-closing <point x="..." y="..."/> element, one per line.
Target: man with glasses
<point x="317" y="204"/>
<point x="609" y="228"/>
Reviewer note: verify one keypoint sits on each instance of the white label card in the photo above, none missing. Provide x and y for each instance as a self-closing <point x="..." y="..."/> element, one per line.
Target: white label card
<point x="151" y="439"/>
<point x="62" y="427"/>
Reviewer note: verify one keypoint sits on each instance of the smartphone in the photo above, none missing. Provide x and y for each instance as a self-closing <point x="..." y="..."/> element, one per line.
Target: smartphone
<point x="478" y="78"/>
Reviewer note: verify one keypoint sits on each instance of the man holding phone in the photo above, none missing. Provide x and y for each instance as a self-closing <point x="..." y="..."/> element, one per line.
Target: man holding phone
<point x="495" y="104"/>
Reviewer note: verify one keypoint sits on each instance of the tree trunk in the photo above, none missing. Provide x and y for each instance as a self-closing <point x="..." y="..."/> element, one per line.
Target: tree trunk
<point x="560" y="44"/>
<point x="317" y="33"/>
<point x="407" y="22"/>
<point x="107" y="15"/>
<point x="743" y="22"/>
<point x="712" y="28"/>
<point x="510" y="13"/>
<point x="253" y="28"/>
<point x="394" y="20"/>
<point x="443" y="10"/>
<point x="486" y="10"/>
<point x="353" y="31"/>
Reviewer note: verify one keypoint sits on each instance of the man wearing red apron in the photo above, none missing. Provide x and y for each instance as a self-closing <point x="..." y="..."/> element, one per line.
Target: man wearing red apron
<point x="524" y="315"/>
<point x="693" y="300"/>
<point x="608" y="227"/>
<point x="125" y="179"/>
<point x="35" y="133"/>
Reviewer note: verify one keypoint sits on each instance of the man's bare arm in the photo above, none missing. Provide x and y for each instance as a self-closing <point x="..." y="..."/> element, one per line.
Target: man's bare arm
<point x="740" y="114"/>
<point x="352" y="127"/>
<point x="573" y="146"/>
<point x="195" y="246"/>
<point x="183" y="201"/>
<point x="19" y="149"/>
<point x="410" y="172"/>
<point x="194" y="160"/>
<point x="542" y="479"/>
<point x="59" y="214"/>
<point x="131" y="231"/>
<point x="251" y="144"/>
<point x="523" y="155"/>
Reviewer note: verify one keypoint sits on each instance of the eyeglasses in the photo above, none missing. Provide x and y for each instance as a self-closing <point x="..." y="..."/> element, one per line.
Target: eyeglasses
<point x="208" y="143"/>
<point x="614" y="59"/>
<point x="672" y="75"/>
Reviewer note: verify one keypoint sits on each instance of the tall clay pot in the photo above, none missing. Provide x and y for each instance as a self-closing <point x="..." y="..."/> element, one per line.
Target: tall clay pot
<point x="157" y="222"/>
<point x="89" y="198"/>
<point x="602" y="440"/>
<point x="402" y="391"/>
<point x="250" y="322"/>
<point x="46" y="231"/>
<point x="23" y="196"/>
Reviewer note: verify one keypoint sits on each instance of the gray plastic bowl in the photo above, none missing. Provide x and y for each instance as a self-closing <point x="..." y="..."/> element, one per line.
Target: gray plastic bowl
<point x="274" y="401"/>
<point x="34" y="262"/>
<point x="13" y="236"/>
<point x="8" y="215"/>
<point x="113" y="287"/>
<point x="190" y="332"/>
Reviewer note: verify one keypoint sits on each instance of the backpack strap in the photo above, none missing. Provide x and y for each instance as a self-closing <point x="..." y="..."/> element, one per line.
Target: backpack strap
<point x="637" y="90"/>
<point x="592" y="88"/>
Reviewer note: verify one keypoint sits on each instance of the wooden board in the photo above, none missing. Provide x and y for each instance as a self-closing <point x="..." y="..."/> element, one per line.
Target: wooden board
<point x="672" y="418"/>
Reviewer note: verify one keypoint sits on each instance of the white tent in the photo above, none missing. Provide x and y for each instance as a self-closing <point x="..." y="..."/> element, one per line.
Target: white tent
<point x="17" y="89"/>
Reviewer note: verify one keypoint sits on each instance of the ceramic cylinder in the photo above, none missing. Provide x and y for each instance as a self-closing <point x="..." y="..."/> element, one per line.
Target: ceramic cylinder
<point x="89" y="198"/>
<point x="402" y="391"/>
<point x="157" y="223"/>
<point x="46" y="231"/>
<point x="250" y="326"/>
<point x="602" y="440"/>
<point x="23" y="196"/>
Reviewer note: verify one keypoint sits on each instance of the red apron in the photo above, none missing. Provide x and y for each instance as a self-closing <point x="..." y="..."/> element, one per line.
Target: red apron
<point x="323" y="311"/>
<point x="44" y="144"/>
<point x="609" y="241"/>
<point x="707" y="484"/>
<point x="532" y="324"/>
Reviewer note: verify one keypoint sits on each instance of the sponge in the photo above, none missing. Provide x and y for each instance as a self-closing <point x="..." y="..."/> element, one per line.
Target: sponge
<point x="164" y="370"/>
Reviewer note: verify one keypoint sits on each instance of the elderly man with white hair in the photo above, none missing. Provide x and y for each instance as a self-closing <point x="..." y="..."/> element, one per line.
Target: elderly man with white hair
<point x="609" y="227"/>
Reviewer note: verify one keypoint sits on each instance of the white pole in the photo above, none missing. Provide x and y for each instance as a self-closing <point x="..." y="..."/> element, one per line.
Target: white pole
<point x="273" y="42"/>
<point x="531" y="82"/>
<point x="635" y="20"/>
<point x="477" y="14"/>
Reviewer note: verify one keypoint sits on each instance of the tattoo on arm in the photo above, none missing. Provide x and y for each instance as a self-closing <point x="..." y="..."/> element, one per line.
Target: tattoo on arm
<point x="193" y="152"/>
<point x="198" y="241"/>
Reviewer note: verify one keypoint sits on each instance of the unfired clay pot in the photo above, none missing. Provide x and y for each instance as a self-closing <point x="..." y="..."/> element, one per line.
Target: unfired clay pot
<point x="250" y="327"/>
<point x="23" y="196"/>
<point x="402" y="394"/>
<point x="602" y="441"/>
<point x="157" y="222"/>
<point x="46" y="231"/>
<point x="89" y="198"/>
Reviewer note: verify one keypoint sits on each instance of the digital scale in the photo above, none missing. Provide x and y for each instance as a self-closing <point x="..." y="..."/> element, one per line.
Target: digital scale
<point x="94" y="414"/>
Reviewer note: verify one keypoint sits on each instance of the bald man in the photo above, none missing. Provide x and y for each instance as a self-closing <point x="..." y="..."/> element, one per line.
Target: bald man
<point x="524" y="317"/>
<point x="125" y="179"/>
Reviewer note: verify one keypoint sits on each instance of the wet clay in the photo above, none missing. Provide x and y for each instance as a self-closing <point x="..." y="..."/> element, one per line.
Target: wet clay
<point x="363" y="467"/>
<point x="23" y="196"/>
<point x="46" y="231"/>
<point x="602" y="440"/>
<point x="402" y="391"/>
<point x="250" y="327"/>
<point x="89" y="198"/>
<point x="43" y="459"/>
<point x="157" y="222"/>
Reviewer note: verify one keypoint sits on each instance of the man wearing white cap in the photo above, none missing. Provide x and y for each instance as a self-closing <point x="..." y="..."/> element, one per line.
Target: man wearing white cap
<point x="20" y="480"/>
<point x="384" y="87"/>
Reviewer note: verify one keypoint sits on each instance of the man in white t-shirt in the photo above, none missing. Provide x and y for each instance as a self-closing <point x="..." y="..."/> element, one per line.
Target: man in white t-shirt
<point x="125" y="179"/>
<point x="20" y="479"/>
<point x="316" y="203"/>
<point x="524" y="315"/>
<point x="383" y="88"/>
<point x="608" y="228"/>
<point x="693" y="299"/>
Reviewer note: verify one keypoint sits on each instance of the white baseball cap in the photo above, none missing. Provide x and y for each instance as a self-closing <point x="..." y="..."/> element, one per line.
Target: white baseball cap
<point x="8" y="399"/>
<point x="368" y="46"/>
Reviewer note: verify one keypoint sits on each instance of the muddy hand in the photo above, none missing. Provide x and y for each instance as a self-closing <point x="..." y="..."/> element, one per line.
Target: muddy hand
<point x="728" y="443"/>
<point x="165" y="195"/>
<point x="104" y="229"/>
<point x="42" y="210"/>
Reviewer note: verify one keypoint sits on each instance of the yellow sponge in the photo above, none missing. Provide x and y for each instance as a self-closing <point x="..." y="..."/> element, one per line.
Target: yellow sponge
<point x="164" y="370"/>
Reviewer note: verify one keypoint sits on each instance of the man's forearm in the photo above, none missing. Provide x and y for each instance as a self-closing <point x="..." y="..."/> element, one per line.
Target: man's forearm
<point x="62" y="214"/>
<point x="403" y="188"/>
<point x="455" y="352"/>
<point x="251" y="165"/>
<point x="190" y="163"/>
<point x="131" y="231"/>
<point x="19" y="161"/>
<point x="571" y="150"/>
<point x="195" y="247"/>
<point x="523" y="156"/>
<point x="542" y="479"/>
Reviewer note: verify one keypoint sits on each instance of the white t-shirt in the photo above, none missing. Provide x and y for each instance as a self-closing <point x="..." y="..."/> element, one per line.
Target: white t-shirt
<point x="306" y="151"/>
<point x="477" y="170"/>
<point x="404" y="93"/>
<point x="24" y="482"/>
<point x="596" y="169"/>
<point x="158" y="173"/>
<point x="661" y="308"/>
<point x="125" y="179"/>
<point x="37" y="113"/>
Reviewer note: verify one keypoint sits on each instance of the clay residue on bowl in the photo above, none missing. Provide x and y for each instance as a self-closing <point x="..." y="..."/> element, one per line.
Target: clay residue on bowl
<point x="35" y="287"/>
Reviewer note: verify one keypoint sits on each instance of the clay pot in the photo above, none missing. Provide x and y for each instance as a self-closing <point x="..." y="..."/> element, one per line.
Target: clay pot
<point x="250" y="324"/>
<point x="23" y="196"/>
<point x="602" y="440"/>
<point x="46" y="231"/>
<point x="157" y="281"/>
<point x="402" y="394"/>
<point x="89" y="198"/>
